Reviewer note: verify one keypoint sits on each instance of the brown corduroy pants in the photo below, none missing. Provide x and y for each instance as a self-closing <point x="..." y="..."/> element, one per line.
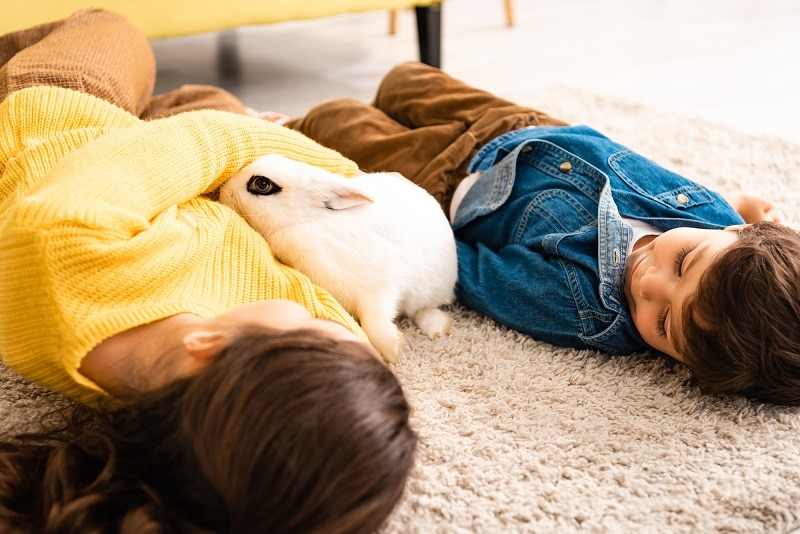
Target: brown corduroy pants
<point x="102" y="54"/>
<point x="423" y="123"/>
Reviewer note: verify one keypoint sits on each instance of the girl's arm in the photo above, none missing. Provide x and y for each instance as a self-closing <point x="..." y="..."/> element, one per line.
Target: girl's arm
<point x="131" y="175"/>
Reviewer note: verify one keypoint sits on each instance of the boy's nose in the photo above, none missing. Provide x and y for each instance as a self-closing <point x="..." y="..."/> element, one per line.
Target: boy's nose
<point x="652" y="285"/>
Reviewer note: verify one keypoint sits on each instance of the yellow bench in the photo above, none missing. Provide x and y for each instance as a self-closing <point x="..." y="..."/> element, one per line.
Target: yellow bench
<point x="173" y="18"/>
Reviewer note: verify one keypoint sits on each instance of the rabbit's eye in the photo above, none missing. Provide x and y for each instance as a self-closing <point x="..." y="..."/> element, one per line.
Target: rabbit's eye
<point x="261" y="185"/>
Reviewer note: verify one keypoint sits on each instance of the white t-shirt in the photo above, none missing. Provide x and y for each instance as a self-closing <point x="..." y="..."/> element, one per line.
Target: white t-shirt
<point x="640" y="229"/>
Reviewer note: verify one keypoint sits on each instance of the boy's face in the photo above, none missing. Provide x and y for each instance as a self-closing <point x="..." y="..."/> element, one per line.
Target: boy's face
<point x="662" y="273"/>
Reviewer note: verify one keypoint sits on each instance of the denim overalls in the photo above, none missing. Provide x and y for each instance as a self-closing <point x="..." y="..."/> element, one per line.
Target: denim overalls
<point x="542" y="245"/>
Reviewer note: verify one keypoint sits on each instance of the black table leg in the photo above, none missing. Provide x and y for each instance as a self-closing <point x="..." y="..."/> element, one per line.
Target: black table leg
<point x="429" y="32"/>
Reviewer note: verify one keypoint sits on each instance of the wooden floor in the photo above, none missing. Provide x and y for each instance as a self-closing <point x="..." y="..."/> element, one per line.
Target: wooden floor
<point x="733" y="62"/>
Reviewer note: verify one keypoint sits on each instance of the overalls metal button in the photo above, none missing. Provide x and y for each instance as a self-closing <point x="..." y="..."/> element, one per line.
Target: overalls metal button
<point x="683" y="199"/>
<point x="565" y="167"/>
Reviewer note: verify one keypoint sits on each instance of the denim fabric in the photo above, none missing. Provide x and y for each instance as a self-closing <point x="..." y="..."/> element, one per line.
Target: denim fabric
<point x="542" y="245"/>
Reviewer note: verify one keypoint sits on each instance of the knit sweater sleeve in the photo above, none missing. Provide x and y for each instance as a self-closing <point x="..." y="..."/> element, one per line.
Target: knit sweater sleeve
<point x="117" y="233"/>
<point x="136" y="173"/>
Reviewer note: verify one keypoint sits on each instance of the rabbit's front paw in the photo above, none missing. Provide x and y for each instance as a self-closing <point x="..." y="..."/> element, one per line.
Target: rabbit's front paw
<point x="434" y="322"/>
<point x="387" y="339"/>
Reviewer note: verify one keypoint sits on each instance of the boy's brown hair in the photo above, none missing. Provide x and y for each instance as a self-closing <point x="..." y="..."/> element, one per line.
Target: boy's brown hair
<point x="741" y="331"/>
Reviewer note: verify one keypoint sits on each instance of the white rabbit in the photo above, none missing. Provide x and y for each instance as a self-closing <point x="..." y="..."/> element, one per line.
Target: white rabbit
<point x="380" y="244"/>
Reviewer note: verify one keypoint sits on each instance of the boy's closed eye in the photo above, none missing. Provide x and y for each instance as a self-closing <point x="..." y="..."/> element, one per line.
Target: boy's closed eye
<point x="662" y="323"/>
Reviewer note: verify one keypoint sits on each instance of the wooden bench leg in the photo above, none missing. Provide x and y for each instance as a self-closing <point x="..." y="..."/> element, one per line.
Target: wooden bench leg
<point x="509" y="12"/>
<point x="429" y="34"/>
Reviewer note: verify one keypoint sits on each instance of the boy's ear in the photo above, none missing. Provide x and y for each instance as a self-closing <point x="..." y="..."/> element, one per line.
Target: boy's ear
<point x="205" y="345"/>
<point x="738" y="227"/>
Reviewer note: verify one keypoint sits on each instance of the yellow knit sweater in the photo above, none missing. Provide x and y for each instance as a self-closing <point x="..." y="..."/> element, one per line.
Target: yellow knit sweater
<point x="103" y="226"/>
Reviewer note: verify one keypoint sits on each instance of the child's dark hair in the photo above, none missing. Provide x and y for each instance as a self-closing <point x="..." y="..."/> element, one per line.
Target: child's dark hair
<point x="284" y="432"/>
<point x="741" y="328"/>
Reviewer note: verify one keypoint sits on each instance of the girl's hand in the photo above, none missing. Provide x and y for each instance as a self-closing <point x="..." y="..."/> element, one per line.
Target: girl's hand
<point x="752" y="208"/>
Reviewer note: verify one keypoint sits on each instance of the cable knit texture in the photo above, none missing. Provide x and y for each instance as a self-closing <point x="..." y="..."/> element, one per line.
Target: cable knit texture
<point x="104" y="225"/>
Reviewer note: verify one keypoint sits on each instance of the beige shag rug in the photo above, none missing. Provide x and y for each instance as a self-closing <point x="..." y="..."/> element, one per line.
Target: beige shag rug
<point x="520" y="436"/>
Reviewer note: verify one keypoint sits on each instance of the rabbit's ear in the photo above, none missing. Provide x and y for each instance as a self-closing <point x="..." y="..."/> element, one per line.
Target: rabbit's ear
<point x="344" y="197"/>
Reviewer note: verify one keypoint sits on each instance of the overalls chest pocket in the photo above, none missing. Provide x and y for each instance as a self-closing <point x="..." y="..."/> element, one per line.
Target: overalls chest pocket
<point x="555" y="213"/>
<point x="651" y="180"/>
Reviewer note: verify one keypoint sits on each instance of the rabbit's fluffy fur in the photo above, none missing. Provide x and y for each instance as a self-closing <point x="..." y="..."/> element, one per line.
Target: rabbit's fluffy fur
<point x="380" y="244"/>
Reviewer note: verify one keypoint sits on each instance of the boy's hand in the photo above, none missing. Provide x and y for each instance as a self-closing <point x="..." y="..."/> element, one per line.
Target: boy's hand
<point x="752" y="208"/>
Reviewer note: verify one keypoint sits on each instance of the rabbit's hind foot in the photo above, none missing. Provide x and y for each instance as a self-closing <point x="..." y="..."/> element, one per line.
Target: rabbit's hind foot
<point x="433" y="322"/>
